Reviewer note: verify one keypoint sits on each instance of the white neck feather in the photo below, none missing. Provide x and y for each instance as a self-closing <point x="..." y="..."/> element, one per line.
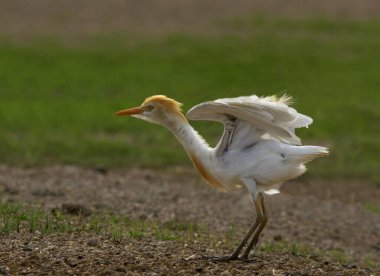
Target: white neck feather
<point x="190" y="139"/>
<point x="198" y="150"/>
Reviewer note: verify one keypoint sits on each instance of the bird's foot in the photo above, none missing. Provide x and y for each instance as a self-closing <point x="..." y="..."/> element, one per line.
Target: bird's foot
<point x="245" y="258"/>
<point x="224" y="258"/>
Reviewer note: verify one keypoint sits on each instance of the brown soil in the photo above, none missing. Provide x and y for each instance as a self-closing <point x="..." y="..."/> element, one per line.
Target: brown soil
<point x="26" y="18"/>
<point x="318" y="213"/>
<point x="75" y="255"/>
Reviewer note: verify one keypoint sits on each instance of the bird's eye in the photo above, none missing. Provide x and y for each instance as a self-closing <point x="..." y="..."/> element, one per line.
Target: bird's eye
<point x="149" y="107"/>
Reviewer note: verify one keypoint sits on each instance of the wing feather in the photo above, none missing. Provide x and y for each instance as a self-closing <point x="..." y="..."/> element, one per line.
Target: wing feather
<point x="254" y="115"/>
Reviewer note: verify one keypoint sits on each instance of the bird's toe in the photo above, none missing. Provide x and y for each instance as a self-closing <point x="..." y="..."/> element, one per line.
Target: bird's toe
<point x="222" y="258"/>
<point x="245" y="259"/>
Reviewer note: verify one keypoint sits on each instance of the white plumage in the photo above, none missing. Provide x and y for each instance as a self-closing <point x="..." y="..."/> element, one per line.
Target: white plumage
<point x="255" y="114"/>
<point x="259" y="148"/>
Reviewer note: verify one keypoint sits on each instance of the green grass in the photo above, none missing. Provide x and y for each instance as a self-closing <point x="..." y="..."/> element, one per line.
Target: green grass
<point x="15" y="218"/>
<point x="295" y="249"/>
<point x="301" y="250"/>
<point x="372" y="207"/>
<point x="56" y="101"/>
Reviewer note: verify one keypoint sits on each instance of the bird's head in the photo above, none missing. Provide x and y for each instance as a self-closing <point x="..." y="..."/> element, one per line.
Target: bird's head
<point x="157" y="109"/>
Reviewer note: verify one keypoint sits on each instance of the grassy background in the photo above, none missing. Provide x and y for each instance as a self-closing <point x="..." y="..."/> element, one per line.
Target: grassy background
<point x="57" y="101"/>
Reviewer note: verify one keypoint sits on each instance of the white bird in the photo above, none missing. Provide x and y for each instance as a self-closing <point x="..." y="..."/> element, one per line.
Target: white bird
<point x="259" y="148"/>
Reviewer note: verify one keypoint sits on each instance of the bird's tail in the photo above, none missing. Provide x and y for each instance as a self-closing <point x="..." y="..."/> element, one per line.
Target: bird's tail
<point x="303" y="154"/>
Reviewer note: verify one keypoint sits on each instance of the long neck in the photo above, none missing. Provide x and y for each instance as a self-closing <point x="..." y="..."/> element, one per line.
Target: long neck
<point x="192" y="142"/>
<point x="198" y="150"/>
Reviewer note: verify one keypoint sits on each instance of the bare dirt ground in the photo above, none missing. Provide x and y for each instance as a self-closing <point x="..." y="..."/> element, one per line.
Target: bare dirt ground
<point x="321" y="214"/>
<point x="77" y="19"/>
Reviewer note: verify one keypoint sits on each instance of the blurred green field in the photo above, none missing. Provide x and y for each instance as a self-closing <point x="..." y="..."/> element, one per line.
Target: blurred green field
<point x="57" y="101"/>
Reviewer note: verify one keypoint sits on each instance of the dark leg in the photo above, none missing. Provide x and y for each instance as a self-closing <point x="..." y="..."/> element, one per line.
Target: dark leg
<point x="235" y="255"/>
<point x="264" y="221"/>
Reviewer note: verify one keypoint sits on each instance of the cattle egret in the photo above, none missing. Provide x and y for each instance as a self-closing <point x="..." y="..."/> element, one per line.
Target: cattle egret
<point x="259" y="148"/>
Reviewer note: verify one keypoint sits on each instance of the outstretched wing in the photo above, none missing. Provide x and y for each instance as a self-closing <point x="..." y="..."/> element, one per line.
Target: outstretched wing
<point x="247" y="119"/>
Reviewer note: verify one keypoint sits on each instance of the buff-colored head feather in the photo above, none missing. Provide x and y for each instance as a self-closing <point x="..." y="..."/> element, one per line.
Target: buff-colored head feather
<point x="168" y="104"/>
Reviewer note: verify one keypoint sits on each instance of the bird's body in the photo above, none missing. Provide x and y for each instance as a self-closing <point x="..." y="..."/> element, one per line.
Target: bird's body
<point x="268" y="162"/>
<point x="258" y="150"/>
<point x="267" y="165"/>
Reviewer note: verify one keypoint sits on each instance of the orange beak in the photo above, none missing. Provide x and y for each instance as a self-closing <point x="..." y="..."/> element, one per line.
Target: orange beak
<point x="130" y="111"/>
